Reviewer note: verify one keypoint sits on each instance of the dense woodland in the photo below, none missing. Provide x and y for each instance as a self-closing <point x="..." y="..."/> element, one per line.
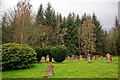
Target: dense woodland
<point x="81" y="35"/>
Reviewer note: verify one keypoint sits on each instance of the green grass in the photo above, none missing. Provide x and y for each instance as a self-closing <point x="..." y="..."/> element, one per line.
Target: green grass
<point x="67" y="69"/>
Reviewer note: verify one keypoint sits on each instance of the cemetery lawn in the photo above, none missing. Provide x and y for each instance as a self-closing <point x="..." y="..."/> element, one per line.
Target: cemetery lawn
<point x="67" y="69"/>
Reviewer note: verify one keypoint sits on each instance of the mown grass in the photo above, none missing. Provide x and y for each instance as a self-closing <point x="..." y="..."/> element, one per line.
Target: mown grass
<point x="67" y="69"/>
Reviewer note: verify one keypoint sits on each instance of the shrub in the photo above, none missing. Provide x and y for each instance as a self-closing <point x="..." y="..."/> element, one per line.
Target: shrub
<point x="47" y="51"/>
<point x="17" y="56"/>
<point x="39" y="52"/>
<point x="59" y="53"/>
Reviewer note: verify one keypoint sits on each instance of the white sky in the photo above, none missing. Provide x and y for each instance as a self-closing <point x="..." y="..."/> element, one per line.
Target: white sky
<point x="105" y="10"/>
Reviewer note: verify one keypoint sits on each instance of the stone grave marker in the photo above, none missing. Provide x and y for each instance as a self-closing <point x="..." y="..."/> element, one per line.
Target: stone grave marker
<point x="108" y="58"/>
<point x="53" y="60"/>
<point x="89" y="58"/>
<point x="94" y="57"/>
<point x="49" y="70"/>
<point x="47" y="58"/>
<point x="76" y="58"/>
<point x="97" y="56"/>
<point x="80" y="57"/>
<point x="101" y="57"/>
<point x="68" y="57"/>
<point x="73" y="56"/>
<point x="42" y="59"/>
<point x="71" y="59"/>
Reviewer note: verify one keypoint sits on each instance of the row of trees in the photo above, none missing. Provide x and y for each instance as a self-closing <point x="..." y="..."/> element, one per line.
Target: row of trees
<point x="80" y="35"/>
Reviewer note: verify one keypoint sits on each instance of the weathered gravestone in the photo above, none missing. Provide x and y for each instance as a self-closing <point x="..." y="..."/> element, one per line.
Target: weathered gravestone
<point x="101" y="57"/>
<point x="49" y="70"/>
<point x="94" y="57"/>
<point x="47" y="58"/>
<point x="71" y="59"/>
<point x="77" y="57"/>
<point x="53" y="60"/>
<point x="89" y="58"/>
<point x="68" y="57"/>
<point x="97" y="56"/>
<point x="42" y="59"/>
<point x="108" y="58"/>
<point x="80" y="57"/>
<point x="73" y="56"/>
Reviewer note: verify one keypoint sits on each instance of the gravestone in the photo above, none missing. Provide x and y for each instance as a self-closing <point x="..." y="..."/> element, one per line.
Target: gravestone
<point x="49" y="70"/>
<point x="53" y="60"/>
<point x="68" y="57"/>
<point x="97" y="56"/>
<point x="47" y="58"/>
<point x="94" y="57"/>
<point x="73" y="56"/>
<point x="89" y="58"/>
<point x="76" y="58"/>
<point x="108" y="58"/>
<point x="71" y="59"/>
<point x="80" y="57"/>
<point x="42" y="59"/>
<point x="101" y="57"/>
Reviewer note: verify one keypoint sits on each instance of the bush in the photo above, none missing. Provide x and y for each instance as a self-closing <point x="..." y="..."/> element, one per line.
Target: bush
<point x="17" y="56"/>
<point x="47" y="51"/>
<point x="39" y="52"/>
<point x="59" y="53"/>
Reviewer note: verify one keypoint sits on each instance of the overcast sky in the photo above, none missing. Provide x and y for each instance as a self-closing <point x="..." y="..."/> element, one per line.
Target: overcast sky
<point x="105" y="10"/>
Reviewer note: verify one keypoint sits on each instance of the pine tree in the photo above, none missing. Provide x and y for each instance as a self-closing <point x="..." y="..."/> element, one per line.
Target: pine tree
<point x="105" y="43"/>
<point x="98" y="31"/>
<point x="50" y="17"/>
<point x="113" y="39"/>
<point x="117" y="30"/>
<point x="64" y="23"/>
<point x="71" y="34"/>
<point x="84" y="17"/>
<point x="6" y="30"/>
<point x="40" y="16"/>
<point x="77" y="20"/>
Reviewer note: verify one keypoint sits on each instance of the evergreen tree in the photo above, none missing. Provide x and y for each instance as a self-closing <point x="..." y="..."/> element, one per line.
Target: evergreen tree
<point x="77" y="20"/>
<point x="40" y="16"/>
<point x="64" y="23"/>
<point x="117" y="30"/>
<point x="84" y="17"/>
<point x="50" y="17"/>
<point x="6" y="31"/>
<point x="105" y="46"/>
<point x="98" y="31"/>
<point x="71" y="34"/>
<point x="78" y="40"/>
<point x="113" y="39"/>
